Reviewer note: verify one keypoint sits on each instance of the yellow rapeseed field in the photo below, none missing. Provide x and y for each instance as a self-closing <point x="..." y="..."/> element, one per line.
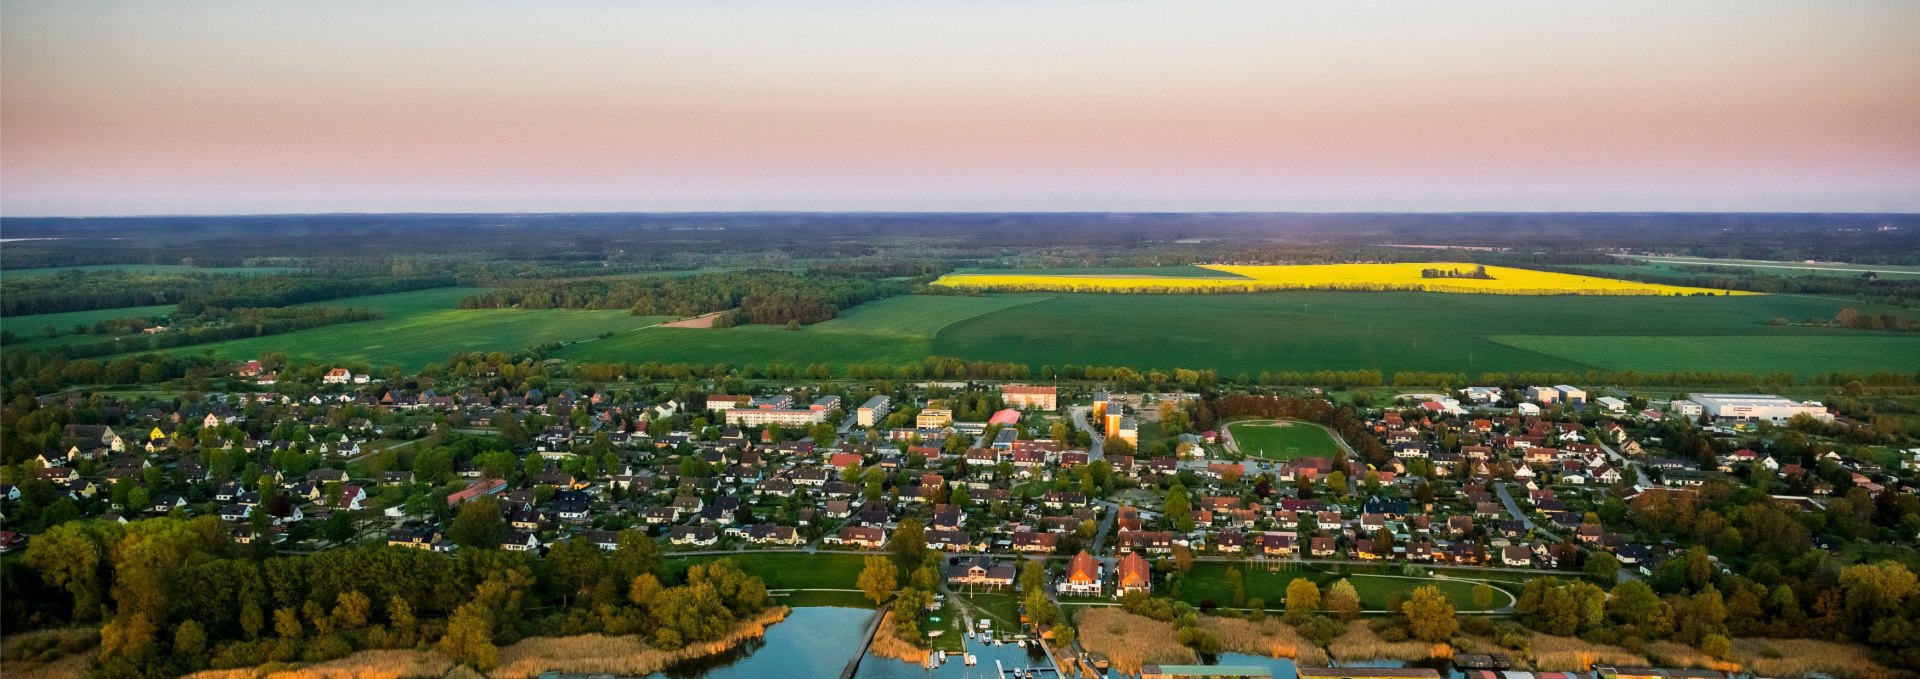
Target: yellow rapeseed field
<point x="1358" y="277"/>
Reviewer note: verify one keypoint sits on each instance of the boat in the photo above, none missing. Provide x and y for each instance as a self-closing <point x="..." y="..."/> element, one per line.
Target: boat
<point x="943" y="657"/>
<point x="971" y="660"/>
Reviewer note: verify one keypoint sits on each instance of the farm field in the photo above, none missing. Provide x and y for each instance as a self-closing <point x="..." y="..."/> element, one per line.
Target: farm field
<point x="1282" y="440"/>
<point x="34" y="326"/>
<point x="890" y="332"/>
<point x="1780" y="268"/>
<point x="422" y="327"/>
<point x="150" y="268"/>
<point x="1404" y="276"/>
<point x="1392" y="331"/>
<point x="1180" y="271"/>
<point x="1895" y="352"/>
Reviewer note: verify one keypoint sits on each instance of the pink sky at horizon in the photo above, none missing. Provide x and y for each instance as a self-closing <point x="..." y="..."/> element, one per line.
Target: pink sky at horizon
<point x="216" y="107"/>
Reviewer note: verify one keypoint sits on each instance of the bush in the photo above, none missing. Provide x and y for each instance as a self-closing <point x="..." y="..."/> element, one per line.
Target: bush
<point x="1476" y="625"/>
<point x="1319" y="629"/>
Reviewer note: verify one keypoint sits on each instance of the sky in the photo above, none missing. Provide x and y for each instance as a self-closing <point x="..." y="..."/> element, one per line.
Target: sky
<point x="245" y="107"/>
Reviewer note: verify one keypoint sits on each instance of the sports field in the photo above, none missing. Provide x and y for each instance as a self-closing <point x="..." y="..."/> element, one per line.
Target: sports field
<point x="422" y="327"/>
<point x="1281" y="439"/>
<point x="1364" y="277"/>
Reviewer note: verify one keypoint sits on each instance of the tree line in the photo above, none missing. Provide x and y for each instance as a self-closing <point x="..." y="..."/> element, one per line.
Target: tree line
<point x="176" y="595"/>
<point x="762" y="296"/>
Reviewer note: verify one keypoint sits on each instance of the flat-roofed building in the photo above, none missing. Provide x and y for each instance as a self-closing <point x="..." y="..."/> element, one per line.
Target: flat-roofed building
<point x="1758" y="407"/>
<point x="1025" y="396"/>
<point x="873" y="411"/>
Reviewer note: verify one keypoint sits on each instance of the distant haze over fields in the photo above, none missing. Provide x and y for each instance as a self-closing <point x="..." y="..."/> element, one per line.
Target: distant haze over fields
<point x="231" y="107"/>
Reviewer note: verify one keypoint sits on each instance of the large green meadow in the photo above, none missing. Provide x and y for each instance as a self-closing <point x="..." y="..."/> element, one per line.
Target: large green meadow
<point x="423" y="326"/>
<point x="1232" y="333"/>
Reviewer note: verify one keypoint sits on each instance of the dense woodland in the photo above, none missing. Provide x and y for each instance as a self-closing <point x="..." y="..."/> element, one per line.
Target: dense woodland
<point x="177" y="595"/>
<point x="193" y="292"/>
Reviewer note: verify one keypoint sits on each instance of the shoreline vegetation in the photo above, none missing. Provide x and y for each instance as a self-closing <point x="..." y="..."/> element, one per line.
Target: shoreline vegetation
<point x="626" y="655"/>
<point x="887" y="644"/>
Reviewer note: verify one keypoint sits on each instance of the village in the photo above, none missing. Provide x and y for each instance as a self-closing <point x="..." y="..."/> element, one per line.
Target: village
<point x="1473" y="478"/>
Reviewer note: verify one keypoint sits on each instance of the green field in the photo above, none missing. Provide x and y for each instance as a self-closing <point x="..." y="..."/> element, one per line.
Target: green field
<point x="1180" y="271"/>
<point x="1781" y="268"/>
<point x="1208" y="580"/>
<point x="1897" y="352"/>
<point x="35" y="326"/>
<point x="150" y="268"/>
<point x="891" y="331"/>
<point x="1391" y="331"/>
<point x="422" y="327"/>
<point x="1282" y="440"/>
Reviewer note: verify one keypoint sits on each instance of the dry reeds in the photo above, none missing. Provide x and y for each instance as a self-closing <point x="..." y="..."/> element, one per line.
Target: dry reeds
<point x="1129" y="640"/>
<point x="64" y="653"/>
<point x="375" y="664"/>
<point x="627" y="655"/>
<point x="1570" y="654"/>
<point x="1270" y="638"/>
<point x="1806" y="657"/>
<point x="1671" y="654"/>
<point x="886" y="644"/>
<point x="1361" y="643"/>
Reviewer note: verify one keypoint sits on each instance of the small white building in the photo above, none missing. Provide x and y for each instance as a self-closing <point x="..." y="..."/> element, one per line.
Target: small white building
<point x="1684" y="408"/>
<point x="1529" y="409"/>
<point x="1611" y="404"/>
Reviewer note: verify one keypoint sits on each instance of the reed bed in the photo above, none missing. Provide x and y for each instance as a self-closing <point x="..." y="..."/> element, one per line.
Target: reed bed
<point x="1804" y="657"/>
<point x="64" y="653"/>
<point x="1568" y="654"/>
<point x="374" y="664"/>
<point x="1129" y="640"/>
<point x="1270" y="638"/>
<point x="1671" y="654"/>
<point x="1361" y="643"/>
<point x="886" y="644"/>
<point x="625" y="655"/>
<point x="73" y="666"/>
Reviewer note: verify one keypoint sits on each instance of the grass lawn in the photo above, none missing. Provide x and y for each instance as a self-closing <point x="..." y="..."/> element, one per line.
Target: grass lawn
<point x="1000" y="606"/>
<point x="791" y="570"/>
<point x="1282" y="440"/>
<point x="1208" y="580"/>
<point x="798" y="599"/>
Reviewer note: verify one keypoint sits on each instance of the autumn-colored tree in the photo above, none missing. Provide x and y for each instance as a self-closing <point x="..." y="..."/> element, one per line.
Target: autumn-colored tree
<point x="1430" y="614"/>
<point x="1342" y="600"/>
<point x="877" y="580"/>
<point x="469" y="638"/>
<point x="1303" y="597"/>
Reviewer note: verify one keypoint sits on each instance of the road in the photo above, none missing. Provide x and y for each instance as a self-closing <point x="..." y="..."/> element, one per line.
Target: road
<point x="1094" y="452"/>
<point x="1110" y="513"/>
<point x="1514" y="509"/>
<point x="1639" y="474"/>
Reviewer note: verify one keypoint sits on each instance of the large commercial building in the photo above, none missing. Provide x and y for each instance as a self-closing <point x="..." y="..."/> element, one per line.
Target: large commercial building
<point x="935" y="416"/>
<point x="1758" y="407"/>
<point x="786" y="417"/>
<point x="1023" y="396"/>
<point x="874" y="410"/>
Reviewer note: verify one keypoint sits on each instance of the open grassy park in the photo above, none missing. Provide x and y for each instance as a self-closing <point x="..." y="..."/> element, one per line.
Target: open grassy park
<point x="1282" y="440"/>
<point x="790" y="570"/>
<point x="1208" y="581"/>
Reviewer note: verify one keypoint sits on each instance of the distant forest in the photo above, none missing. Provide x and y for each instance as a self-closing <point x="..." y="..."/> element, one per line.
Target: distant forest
<point x="775" y="240"/>
<point x="773" y="297"/>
